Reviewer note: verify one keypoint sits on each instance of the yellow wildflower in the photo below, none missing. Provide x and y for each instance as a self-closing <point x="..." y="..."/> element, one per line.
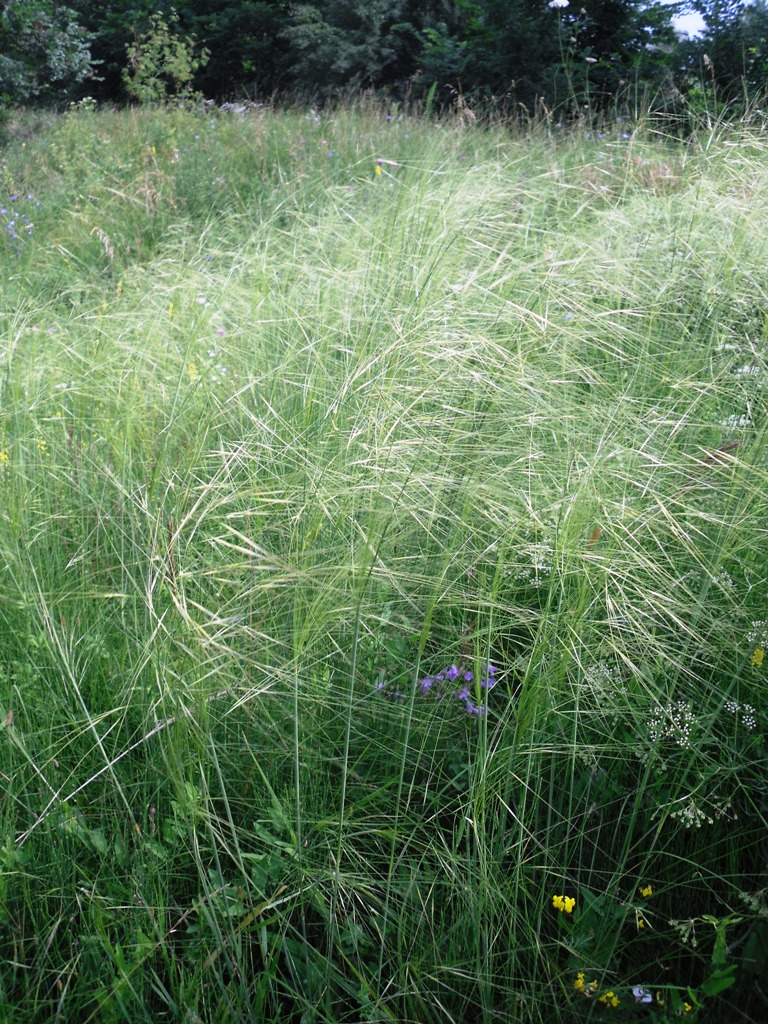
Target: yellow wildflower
<point x="564" y="904"/>
<point x="610" y="999"/>
<point x="646" y="891"/>
<point x="581" y="985"/>
<point x="687" y="1007"/>
<point x="377" y="169"/>
<point x="757" y="657"/>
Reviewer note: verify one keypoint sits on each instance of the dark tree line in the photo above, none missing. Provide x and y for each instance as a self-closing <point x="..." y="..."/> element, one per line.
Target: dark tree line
<point x="514" y="51"/>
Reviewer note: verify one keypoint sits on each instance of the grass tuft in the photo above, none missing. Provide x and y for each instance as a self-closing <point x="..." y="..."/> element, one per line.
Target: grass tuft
<point x="383" y="605"/>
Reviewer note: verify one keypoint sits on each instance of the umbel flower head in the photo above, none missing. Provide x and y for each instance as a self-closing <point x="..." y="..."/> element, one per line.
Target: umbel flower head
<point x="555" y="4"/>
<point x="564" y="904"/>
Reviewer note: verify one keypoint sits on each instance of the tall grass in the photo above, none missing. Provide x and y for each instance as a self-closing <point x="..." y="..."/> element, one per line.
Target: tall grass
<point x="383" y="551"/>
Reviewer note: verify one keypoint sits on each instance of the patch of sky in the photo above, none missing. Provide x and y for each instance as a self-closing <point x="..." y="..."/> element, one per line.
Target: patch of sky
<point x="689" y="22"/>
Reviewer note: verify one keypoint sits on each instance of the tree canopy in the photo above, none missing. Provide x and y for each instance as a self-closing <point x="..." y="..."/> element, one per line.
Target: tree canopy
<point x="518" y="52"/>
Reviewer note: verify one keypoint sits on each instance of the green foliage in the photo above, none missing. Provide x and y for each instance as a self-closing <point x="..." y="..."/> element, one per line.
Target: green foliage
<point x="729" y="62"/>
<point x="579" y="61"/>
<point x="344" y="42"/>
<point x="248" y="53"/>
<point x="44" y="51"/>
<point x="161" y="63"/>
<point x="451" y="45"/>
<point x="113" y="25"/>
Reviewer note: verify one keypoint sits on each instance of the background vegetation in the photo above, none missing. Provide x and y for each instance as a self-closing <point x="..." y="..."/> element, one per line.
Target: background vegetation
<point x="514" y="54"/>
<point x="382" y="542"/>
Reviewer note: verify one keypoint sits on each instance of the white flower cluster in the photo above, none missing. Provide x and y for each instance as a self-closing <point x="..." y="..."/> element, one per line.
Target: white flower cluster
<point x="600" y="681"/>
<point x="692" y="815"/>
<point x="735" y="420"/>
<point x="724" y="580"/>
<point x="758" y="634"/>
<point x="686" y="931"/>
<point x="747" y="712"/>
<point x="218" y="370"/>
<point x="541" y="557"/>
<point x="749" y="370"/>
<point x="756" y="901"/>
<point x="675" y="723"/>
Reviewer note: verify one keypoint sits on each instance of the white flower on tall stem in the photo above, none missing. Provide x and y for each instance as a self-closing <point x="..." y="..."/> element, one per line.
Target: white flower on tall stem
<point x="555" y="4"/>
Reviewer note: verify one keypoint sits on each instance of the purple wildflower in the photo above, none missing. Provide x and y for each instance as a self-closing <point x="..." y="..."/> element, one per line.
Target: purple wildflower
<point x="489" y="682"/>
<point x="437" y="689"/>
<point x="478" y="710"/>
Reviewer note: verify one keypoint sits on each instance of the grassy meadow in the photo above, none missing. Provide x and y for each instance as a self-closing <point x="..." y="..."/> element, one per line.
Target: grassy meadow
<point x="384" y="600"/>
